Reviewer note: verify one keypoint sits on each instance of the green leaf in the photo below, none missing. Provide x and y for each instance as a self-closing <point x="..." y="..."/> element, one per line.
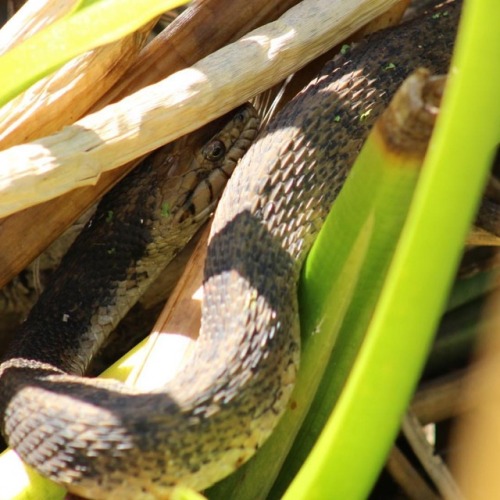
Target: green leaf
<point x="353" y="446"/>
<point x="92" y="24"/>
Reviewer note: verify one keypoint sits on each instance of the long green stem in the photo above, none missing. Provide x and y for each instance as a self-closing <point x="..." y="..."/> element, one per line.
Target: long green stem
<point x="353" y="446"/>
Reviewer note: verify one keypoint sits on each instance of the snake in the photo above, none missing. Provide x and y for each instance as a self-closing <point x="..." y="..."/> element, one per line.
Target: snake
<point x="102" y="439"/>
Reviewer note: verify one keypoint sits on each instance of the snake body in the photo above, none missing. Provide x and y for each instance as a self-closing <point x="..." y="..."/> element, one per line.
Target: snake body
<point x="104" y="440"/>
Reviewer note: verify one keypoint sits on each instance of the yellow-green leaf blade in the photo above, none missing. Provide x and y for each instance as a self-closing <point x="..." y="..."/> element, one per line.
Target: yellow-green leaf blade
<point x="89" y="26"/>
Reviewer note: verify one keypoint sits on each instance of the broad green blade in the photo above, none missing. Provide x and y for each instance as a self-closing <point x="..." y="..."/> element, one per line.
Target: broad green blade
<point x="92" y="24"/>
<point x="352" y="448"/>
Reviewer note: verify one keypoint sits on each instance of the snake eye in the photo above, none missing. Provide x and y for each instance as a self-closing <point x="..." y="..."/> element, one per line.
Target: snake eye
<point x="239" y="117"/>
<point x="215" y="150"/>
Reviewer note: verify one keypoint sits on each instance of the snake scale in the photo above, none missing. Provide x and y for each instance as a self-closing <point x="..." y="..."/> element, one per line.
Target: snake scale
<point x="104" y="440"/>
